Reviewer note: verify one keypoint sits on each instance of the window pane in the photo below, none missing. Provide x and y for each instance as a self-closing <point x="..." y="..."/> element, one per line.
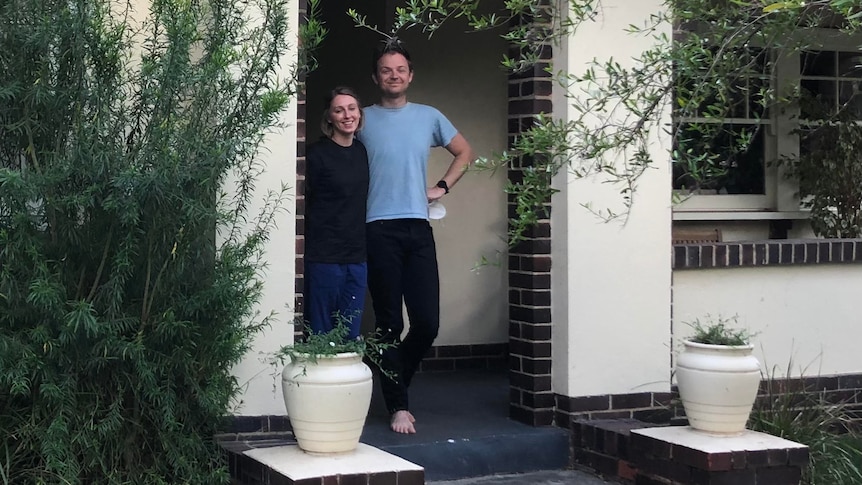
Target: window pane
<point x="820" y="99"/>
<point x="850" y="64"/>
<point x="735" y="150"/>
<point x="830" y="83"/>
<point x="812" y="140"/>
<point x="817" y="63"/>
<point x="738" y="96"/>
<point x="850" y="98"/>
<point x="719" y="146"/>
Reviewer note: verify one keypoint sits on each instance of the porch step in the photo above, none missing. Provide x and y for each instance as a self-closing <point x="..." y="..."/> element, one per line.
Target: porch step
<point x="463" y="429"/>
<point x="459" y="458"/>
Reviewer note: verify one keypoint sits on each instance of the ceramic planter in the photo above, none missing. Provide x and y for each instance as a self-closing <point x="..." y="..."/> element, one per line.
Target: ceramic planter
<point x="327" y="402"/>
<point x="717" y="385"/>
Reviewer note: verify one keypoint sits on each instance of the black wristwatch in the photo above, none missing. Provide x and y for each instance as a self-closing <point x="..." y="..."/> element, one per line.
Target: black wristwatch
<point x="443" y="185"/>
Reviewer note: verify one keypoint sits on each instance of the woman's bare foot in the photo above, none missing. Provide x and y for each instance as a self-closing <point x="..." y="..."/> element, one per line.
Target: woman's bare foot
<point x="402" y="422"/>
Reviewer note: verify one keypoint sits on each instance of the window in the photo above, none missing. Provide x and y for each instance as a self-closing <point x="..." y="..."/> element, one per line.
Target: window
<point x="748" y="139"/>
<point x="830" y="82"/>
<point x="833" y="77"/>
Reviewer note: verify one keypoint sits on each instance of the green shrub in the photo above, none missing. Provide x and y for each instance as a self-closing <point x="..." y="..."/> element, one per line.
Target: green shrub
<point x="719" y="331"/>
<point x="829" y="170"/>
<point x="809" y="416"/>
<point x="128" y="274"/>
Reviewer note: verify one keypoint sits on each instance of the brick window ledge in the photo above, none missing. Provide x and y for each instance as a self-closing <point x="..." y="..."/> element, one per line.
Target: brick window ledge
<point x="776" y="252"/>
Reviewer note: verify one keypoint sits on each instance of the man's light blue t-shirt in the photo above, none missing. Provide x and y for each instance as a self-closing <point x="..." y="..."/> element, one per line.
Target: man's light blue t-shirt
<point x="399" y="141"/>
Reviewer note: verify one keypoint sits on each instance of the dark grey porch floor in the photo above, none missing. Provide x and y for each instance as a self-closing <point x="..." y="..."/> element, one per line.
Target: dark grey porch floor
<point x="463" y="429"/>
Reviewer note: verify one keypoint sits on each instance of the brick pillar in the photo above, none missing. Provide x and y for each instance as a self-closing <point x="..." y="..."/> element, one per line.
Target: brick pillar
<point x="300" y="182"/>
<point x="531" y="398"/>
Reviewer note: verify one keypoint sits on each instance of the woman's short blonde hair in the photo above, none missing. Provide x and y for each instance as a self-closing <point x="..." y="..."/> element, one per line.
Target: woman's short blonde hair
<point x="325" y="124"/>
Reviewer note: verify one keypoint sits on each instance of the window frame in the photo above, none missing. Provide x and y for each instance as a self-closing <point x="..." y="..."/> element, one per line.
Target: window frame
<point x="780" y="199"/>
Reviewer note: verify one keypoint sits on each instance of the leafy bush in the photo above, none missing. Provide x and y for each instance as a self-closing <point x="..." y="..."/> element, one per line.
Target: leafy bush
<point x="128" y="274"/>
<point x="805" y="415"/>
<point x="829" y="169"/>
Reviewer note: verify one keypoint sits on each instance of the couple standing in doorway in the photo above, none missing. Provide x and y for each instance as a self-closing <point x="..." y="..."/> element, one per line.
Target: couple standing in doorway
<point x="367" y="219"/>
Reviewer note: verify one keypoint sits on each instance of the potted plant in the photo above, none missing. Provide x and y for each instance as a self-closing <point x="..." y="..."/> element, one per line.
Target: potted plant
<point x="717" y="376"/>
<point x="327" y="388"/>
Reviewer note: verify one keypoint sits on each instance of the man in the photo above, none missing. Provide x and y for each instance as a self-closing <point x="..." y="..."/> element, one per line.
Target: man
<point x="402" y="258"/>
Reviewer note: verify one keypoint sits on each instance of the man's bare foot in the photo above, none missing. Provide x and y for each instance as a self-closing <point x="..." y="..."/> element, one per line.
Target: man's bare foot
<point x="402" y="422"/>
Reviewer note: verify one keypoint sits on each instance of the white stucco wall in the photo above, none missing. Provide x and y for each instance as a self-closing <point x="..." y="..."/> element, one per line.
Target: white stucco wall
<point x="807" y="317"/>
<point x="261" y="397"/>
<point x="611" y="281"/>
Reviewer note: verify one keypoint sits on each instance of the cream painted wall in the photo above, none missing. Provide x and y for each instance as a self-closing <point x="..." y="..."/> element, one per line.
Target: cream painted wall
<point x="611" y="281"/>
<point x="460" y="75"/>
<point x="262" y="394"/>
<point x="808" y="317"/>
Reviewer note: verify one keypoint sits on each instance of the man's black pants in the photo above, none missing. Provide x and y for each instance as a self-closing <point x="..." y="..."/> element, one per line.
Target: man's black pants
<point x="402" y="266"/>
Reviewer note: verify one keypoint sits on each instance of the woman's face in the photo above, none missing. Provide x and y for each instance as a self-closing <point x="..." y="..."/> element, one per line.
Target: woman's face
<point x="344" y="114"/>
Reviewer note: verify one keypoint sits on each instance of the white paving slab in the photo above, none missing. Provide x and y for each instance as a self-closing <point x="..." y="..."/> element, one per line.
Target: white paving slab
<point x="296" y="464"/>
<point x="713" y="443"/>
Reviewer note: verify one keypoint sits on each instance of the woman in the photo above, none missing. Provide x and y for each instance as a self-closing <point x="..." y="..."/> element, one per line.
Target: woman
<point x="336" y="186"/>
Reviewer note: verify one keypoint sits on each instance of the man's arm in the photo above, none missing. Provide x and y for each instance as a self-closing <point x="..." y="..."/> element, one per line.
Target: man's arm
<point x="460" y="149"/>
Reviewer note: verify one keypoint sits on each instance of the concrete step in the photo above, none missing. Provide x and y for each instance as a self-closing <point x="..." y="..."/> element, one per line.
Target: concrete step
<point x="463" y="429"/>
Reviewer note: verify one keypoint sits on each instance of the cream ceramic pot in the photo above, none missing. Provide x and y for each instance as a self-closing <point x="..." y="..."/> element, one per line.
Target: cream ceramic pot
<point x="717" y="385"/>
<point x="327" y="402"/>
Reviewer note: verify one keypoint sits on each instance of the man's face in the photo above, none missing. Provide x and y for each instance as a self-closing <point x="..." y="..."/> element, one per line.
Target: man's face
<point x="393" y="74"/>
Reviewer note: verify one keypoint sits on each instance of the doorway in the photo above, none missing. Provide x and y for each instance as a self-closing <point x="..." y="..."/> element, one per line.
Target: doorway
<point x="459" y="74"/>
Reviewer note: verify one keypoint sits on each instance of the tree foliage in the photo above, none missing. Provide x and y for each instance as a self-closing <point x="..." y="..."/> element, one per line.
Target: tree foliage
<point x="129" y="265"/>
<point x="830" y="172"/>
<point x="722" y="55"/>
